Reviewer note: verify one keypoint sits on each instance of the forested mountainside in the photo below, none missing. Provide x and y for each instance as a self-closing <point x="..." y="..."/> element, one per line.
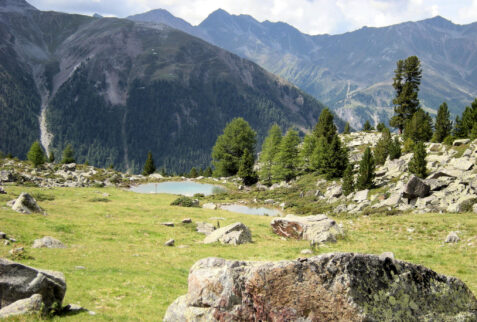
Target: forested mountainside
<point x="116" y="89"/>
<point x="352" y="72"/>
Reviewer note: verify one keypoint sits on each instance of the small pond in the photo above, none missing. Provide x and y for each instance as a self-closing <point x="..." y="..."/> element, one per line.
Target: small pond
<point x="186" y="188"/>
<point x="261" y="211"/>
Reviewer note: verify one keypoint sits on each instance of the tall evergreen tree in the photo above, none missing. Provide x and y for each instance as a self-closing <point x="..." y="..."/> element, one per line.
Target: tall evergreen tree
<point x="395" y="149"/>
<point x="381" y="151"/>
<point x="193" y="173"/>
<point x="330" y="159"/>
<point x="270" y="147"/>
<point x="36" y="155"/>
<point x="230" y="146"/>
<point x="347" y="129"/>
<point x="208" y="172"/>
<point x="68" y="155"/>
<point x="406" y="83"/>
<point x="443" y="127"/>
<point x="419" y="128"/>
<point x="367" y="126"/>
<point x="286" y="160"/>
<point x="366" y="171"/>
<point x="381" y="126"/>
<point x="464" y="125"/>
<point x="418" y="163"/>
<point x="306" y="152"/>
<point x="51" y="158"/>
<point x="325" y="126"/>
<point x="149" y="166"/>
<point x="348" y="180"/>
<point x="246" y="171"/>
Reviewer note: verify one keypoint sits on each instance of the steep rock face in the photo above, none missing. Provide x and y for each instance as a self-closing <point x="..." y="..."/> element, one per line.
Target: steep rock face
<point x="330" y="287"/>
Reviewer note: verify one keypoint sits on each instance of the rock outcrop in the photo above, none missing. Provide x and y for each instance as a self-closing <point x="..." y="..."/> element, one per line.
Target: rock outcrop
<point x="330" y="287"/>
<point x="317" y="229"/>
<point x="416" y="188"/>
<point x="19" y="282"/>
<point x="33" y="304"/>
<point x="48" y="242"/>
<point x="234" y="234"/>
<point x="26" y="204"/>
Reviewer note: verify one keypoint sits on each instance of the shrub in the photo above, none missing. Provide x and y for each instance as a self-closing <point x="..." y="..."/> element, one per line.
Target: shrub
<point x="184" y="201"/>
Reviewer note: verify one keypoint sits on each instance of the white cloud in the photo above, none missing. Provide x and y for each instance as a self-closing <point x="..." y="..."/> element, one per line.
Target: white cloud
<point x="310" y="16"/>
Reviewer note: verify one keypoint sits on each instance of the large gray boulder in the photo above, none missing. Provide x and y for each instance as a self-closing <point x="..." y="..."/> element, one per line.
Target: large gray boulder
<point x="18" y="281"/>
<point x="330" y="287"/>
<point x="29" y="305"/>
<point x="48" y="242"/>
<point x="317" y="229"/>
<point x="204" y="228"/>
<point x="234" y="234"/>
<point x="26" y="204"/>
<point x="416" y="188"/>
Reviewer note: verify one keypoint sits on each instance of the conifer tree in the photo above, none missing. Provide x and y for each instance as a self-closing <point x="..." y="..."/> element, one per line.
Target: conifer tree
<point x="246" y="171"/>
<point x="230" y="146"/>
<point x="348" y="180"/>
<point x="380" y="127"/>
<point x="325" y="126"/>
<point x="347" y="129"/>
<point x="270" y="147"/>
<point x="306" y="152"/>
<point x="419" y="128"/>
<point x="193" y="173"/>
<point x="285" y="164"/>
<point x="51" y="158"/>
<point x="418" y="163"/>
<point x="149" y="167"/>
<point x="395" y="149"/>
<point x="68" y="155"/>
<point x="36" y="155"/>
<point x="406" y="83"/>
<point x="381" y="151"/>
<point x="443" y="127"/>
<point x="208" y="172"/>
<point x="464" y="125"/>
<point x="318" y="158"/>
<point x="336" y="159"/>
<point x="367" y="126"/>
<point x="366" y="171"/>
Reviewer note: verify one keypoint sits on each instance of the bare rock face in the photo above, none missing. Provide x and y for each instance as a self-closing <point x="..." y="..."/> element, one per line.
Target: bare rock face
<point x="317" y="229"/>
<point x="19" y="282"/>
<point x="48" y="242"/>
<point x="330" y="287"/>
<point x="415" y="188"/>
<point x="26" y="204"/>
<point x="234" y="234"/>
<point x="23" y="306"/>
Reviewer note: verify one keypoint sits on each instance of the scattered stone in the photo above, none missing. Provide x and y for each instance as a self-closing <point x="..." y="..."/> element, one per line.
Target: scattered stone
<point x="72" y="309"/>
<point x="385" y="255"/>
<point x="461" y="142"/>
<point x="306" y="252"/>
<point x="6" y="242"/>
<point x="29" y="305"/>
<point x="269" y="201"/>
<point x="204" y="228"/>
<point x="3" y="235"/>
<point x="69" y="167"/>
<point x="361" y="196"/>
<point x="26" y="204"/>
<point x="48" y="242"/>
<point x="463" y="164"/>
<point x="415" y="188"/>
<point x="410" y="230"/>
<point x="211" y="206"/>
<point x="18" y="281"/>
<point x="330" y="287"/>
<point x="2" y="191"/>
<point x="7" y="176"/>
<point x="80" y="267"/>
<point x="16" y="251"/>
<point x="234" y="234"/>
<point x="317" y="229"/>
<point x="439" y="174"/>
<point x="168" y="224"/>
<point x="186" y="221"/>
<point x="155" y="176"/>
<point x="170" y="242"/>
<point x="452" y="237"/>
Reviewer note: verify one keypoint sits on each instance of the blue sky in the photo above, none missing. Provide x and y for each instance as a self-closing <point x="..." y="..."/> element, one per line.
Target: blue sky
<point x="309" y="16"/>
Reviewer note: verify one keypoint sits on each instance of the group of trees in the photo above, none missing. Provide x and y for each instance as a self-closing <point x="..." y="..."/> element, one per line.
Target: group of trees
<point x="37" y="156"/>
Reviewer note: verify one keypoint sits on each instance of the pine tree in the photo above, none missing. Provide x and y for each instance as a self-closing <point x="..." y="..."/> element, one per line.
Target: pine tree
<point x="395" y="149"/>
<point x="380" y="127"/>
<point x="149" y="167"/>
<point x="348" y="180"/>
<point x="270" y="147"/>
<point x="417" y="165"/>
<point x="68" y="155"/>
<point x="381" y="151"/>
<point x="347" y="129"/>
<point x="306" y="152"/>
<point x="464" y="125"/>
<point x="286" y="160"/>
<point x="36" y="155"/>
<point x="336" y="160"/>
<point x="230" y="146"/>
<point x="193" y="173"/>
<point x="473" y="132"/>
<point x="443" y="127"/>
<point x="367" y="126"/>
<point x="318" y="158"/>
<point x="208" y="172"/>
<point x="366" y="171"/>
<point x="51" y="158"/>
<point x="419" y="128"/>
<point x="406" y="83"/>
<point x="325" y="126"/>
<point x="246" y="172"/>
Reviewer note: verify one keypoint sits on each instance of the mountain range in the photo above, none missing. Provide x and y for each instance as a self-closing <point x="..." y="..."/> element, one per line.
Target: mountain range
<point x="116" y="89"/>
<point x="351" y="72"/>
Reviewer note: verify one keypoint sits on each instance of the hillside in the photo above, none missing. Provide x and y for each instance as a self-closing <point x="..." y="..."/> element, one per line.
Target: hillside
<point x="352" y="72"/>
<point x="116" y="89"/>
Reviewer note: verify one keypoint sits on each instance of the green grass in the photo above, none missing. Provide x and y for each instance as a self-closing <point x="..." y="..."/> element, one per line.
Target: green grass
<point x="129" y="275"/>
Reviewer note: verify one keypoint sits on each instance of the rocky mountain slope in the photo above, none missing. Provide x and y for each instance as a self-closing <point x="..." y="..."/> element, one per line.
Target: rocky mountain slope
<point x="352" y="72"/>
<point x="116" y="89"/>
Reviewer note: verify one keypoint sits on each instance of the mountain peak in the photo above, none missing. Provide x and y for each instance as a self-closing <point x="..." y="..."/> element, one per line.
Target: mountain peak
<point x="440" y="22"/>
<point x="15" y="5"/>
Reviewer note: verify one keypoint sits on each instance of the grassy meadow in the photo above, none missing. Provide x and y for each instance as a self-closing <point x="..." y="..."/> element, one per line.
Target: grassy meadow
<point x="117" y="266"/>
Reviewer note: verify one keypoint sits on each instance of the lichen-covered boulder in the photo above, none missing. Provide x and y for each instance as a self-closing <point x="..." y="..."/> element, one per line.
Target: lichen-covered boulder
<point x="317" y="229"/>
<point x="330" y="287"/>
<point x="47" y="242"/>
<point x="234" y="234"/>
<point x="33" y="304"/>
<point x="416" y="188"/>
<point x="26" y="204"/>
<point x="18" y="281"/>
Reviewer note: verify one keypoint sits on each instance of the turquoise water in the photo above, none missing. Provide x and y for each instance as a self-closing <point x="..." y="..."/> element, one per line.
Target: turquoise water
<point x="185" y="188"/>
<point x="261" y="211"/>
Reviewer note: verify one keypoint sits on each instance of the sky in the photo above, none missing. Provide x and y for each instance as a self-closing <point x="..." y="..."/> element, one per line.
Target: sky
<point x="309" y="16"/>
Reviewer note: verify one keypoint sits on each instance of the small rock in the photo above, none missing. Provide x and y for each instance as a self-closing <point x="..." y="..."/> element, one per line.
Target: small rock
<point x="2" y="191"/>
<point x="210" y="206"/>
<point x="410" y="230"/>
<point x="168" y="224"/>
<point x="6" y="242"/>
<point x="183" y="246"/>
<point x="170" y="242"/>
<point x="461" y="142"/>
<point x="452" y="237"/>
<point x="80" y="267"/>
<point x="361" y="195"/>
<point x="186" y="221"/>
<point x="48" y="242"/>
<point x="16" y="251"/>
<point x="306" y="252"/>
<point x="3" y="235"/>
<point x="234" y="234"/>
<point x="385" y="255"/>
<point x="204" y="228"/>
<point x="26" y="204"/>
<point x="13" y="240"/>
<point x="73" y="309"/>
